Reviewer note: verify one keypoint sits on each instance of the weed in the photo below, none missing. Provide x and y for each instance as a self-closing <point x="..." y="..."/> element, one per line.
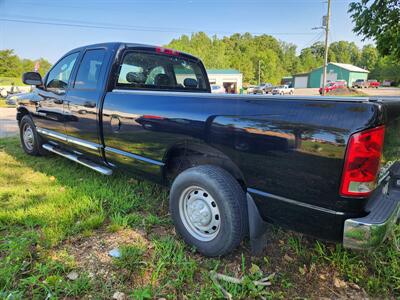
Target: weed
<point x="45" y="202"/>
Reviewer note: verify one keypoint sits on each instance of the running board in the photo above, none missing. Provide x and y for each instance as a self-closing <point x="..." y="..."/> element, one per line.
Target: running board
<point x="87" y="163"/>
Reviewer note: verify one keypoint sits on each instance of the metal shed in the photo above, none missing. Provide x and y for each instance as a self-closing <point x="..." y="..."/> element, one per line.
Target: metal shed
<point x="337" y="71"/>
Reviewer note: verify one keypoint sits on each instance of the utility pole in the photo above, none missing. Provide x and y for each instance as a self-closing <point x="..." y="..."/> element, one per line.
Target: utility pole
<point x="326" y="26"/>
<point x="259" y="72"/>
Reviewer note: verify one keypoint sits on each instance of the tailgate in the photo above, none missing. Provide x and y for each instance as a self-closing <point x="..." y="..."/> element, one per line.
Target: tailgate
<point x="391" y="146"/>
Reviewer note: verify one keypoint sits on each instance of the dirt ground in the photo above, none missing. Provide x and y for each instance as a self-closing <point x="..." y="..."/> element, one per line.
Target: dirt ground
<point x="8" y="123"/>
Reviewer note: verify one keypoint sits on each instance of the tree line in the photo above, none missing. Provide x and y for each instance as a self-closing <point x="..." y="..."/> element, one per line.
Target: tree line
<point x="276" y="59"/>
<point x="250" y="54"/>
<point x="13" y="66"/>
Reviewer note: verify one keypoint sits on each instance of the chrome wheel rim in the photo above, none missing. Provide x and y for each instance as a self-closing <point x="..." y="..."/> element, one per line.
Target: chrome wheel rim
<point x="28" y="137"/>
<point x="199" y="213"/>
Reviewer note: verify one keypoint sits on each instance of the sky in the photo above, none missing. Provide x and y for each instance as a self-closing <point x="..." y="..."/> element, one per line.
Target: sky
<point x="48" y="29"/>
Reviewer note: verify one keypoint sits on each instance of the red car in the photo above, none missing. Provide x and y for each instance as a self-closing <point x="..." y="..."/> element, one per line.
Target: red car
<point x="333" y="86"/>
<point x="372" y="83"/>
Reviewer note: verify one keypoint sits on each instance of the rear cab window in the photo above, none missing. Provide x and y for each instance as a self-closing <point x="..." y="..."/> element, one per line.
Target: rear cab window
<point x="145" y="70"/>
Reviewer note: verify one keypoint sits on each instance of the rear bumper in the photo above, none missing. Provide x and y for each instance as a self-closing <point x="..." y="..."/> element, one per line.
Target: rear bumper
<point x="370" y="231"/>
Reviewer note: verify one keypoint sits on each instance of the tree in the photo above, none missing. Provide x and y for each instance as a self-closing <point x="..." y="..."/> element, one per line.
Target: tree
<point x="344" y="52"/>
<point x="378" y="20"/>
<point x="369" y="57"/>
<point x="311" y="57"/>
<point x="290" y="60"/>
<point x="386" y="68"/>
<point x="246" y="52"/>
<point x="10" y="64"/>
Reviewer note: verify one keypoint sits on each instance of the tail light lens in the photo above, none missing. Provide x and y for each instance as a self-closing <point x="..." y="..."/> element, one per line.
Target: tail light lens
<point x="167" y="51"/>
<point x="362" y="162"/>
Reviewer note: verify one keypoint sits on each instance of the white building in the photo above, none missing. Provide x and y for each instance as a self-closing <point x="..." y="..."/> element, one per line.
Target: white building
<point x="230" y="79"/>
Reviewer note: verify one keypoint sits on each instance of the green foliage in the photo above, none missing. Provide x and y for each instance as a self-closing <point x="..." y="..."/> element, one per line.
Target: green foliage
<point x="387" y="67"/>
<point x="344" y="52"/>
<point x="276" y="59"/>
<point x="10" y="64"/>
<point x="249" y="54"/>
<point x="242" y="52"/>
<point x="132" y="257"/>
<point x="378" y="20"/>
<point x="369" y="57"/>
<point x="13" y="66"/>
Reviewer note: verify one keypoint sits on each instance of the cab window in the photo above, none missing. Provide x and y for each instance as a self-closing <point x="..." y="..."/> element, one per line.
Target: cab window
<point x="59" y="75"/>
<point x="151" y="71"/>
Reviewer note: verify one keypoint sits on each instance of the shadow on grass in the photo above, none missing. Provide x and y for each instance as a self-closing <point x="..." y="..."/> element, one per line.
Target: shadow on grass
<point x="52" y="191"/>
<point x="59" y="198"/>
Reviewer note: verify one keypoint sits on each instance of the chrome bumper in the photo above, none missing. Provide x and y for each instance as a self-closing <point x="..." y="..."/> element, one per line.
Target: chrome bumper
<point x="370" y="231"/>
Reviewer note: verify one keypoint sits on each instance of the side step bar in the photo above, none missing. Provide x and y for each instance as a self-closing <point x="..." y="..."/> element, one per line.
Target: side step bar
<point x="87" y="163"/>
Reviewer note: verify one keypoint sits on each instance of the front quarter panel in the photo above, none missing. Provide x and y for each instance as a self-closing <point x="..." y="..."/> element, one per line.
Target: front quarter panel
<point x="27" y="103"/>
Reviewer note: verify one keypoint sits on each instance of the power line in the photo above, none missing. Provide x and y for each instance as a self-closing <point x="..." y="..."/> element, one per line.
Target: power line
<point x="315" y="39"/>
<point x="133" y="28"/>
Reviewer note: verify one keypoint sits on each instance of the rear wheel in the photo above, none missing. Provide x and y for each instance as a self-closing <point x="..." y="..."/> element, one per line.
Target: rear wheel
<point x="208" y="207"/>
<point x="30" y="140"/>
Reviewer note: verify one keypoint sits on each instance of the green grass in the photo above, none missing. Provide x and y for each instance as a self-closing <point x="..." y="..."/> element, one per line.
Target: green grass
<point x="57" y="217"/>
<point x="3" y="103"/>
<point x="6" y="81"/>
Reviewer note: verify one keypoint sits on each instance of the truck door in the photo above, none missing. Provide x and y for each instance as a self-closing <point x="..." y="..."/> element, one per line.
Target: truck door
<point x="82" y="103"/>
<point x="139" y="125"/>
<point x="49" y="113"/>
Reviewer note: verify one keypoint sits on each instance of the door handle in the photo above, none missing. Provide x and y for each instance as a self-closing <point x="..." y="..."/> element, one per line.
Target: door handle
<point x="115" y="123"/>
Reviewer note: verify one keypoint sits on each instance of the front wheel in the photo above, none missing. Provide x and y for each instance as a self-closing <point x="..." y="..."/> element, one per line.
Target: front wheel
<point x="208" y="208"/>
<point x="30" y="140"/>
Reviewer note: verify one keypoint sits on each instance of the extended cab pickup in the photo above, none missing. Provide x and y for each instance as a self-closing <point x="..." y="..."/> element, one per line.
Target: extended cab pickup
<point x="324" y="166"/>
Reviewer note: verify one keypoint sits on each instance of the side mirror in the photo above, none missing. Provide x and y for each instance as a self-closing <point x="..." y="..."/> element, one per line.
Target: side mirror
<point x="190" y="83"/>
<point x="32" y="78"/>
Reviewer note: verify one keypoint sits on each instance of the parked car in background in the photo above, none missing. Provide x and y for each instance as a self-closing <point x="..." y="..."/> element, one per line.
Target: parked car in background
<point x="360" y="83"/>
<point x="250" y="89"/>
<point x="341" y="83"/>
<point x="12" y="99"/>
<point x="217" y="89"/>
<point x="333" y="85"/>
<point x="264" y="88"/>
<point x="387" y="83"/>
<point x="282" y="90"/>
<point x="373" y="83"/>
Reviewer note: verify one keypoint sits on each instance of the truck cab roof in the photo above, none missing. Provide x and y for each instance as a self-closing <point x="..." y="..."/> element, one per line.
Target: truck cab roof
<point x="118" y="45"/>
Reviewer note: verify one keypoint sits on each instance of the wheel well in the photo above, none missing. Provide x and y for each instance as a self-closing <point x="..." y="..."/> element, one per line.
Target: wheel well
<point x="21" y="111"/>
<point x="182" y="157"/>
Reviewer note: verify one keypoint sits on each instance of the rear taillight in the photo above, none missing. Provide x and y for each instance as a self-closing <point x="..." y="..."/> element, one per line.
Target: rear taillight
<point x="362" y="161"/>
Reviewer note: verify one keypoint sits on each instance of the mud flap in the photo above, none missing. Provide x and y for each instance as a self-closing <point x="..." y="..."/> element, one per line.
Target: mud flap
<point x="257" y="228"/>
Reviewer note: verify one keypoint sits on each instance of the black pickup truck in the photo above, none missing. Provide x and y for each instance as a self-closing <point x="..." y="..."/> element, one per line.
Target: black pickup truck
<point x="323" y="166"/>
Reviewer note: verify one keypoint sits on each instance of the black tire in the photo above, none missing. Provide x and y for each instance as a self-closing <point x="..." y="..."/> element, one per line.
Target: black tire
<point x="34" y="146"/>
<point x="231" y="203"/>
